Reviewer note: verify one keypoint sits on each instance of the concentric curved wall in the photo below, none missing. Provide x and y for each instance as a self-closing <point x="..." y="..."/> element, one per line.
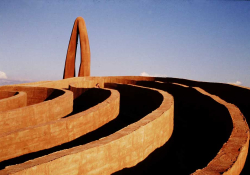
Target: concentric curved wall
<point x="129" y="146"/>
<point x="122" y="124"/>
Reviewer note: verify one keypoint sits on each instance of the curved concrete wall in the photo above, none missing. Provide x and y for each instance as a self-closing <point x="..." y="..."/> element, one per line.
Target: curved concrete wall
<point x="79" y="87"/>
<point x="37" y="113"/>
<point x="231" y="158"/>
<point x="35" y="94"/>
<point x="91" y="81"/>
<point x="54" y="133"/>
<point x="87" y="82"/>
<point x="11" y="100"/>
<point x="6" y="94"/>
<point x="124" y="148"/>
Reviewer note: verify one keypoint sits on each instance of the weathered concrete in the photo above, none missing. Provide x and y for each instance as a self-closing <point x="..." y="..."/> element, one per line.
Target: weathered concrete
<point x="11" y="100"/>
<point x="81" y="86"/>
<point x="124" y="148"/>
<point x="6" y="94"/>
<point x="47" y="135"/>
<point x="77" y="82"/>
<point x="232" y="156"/>
<point x="238" y="157"/>
<point x="40" y="108"/>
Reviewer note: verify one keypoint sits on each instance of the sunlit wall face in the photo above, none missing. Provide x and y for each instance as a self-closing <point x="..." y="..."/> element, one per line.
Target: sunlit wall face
<point x="201" y="40"/>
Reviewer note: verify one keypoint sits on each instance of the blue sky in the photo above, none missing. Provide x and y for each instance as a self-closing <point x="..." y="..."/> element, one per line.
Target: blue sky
<point x="203" y="40"/>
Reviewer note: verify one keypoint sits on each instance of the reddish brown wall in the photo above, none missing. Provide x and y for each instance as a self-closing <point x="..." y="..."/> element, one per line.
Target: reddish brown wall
<point x="79" y="87"/>
<point x="124" y="148"/>
<point x="37" y="113"/>
<point x="234" y="152"/>
<point x="54" y="133"/>
<point x="11" y="100"/>
<point x="92" y="80"/>
<point x="6" y="94"/>
<point x="35" y="94"/>
<point x="232" y="156"/>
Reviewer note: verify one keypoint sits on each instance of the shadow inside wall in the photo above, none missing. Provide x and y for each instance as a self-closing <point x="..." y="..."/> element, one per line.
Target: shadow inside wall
<point x="135" y="103"/>
<point x="201" y="127"/>
<point x="230" y="93"/>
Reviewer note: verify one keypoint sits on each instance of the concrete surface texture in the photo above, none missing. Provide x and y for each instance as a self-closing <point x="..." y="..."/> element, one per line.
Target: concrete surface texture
<point x="11" y="100"/>
<point x="122" y="124"/>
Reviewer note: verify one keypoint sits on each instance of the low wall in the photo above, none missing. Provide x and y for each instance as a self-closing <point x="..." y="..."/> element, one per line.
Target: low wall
<point x="232" y="156"/>
<point x="11" y="100"/>
<point x="35" y="94"/>
<point x="124" y="148"/>
<point x="91" y="81"/>
<point x="79" y="87"/>
<point x="37" y="113"/>
<point x="234" y="151"/>
<point x="54" y="133"/>
<point x="87" y="82"/>
<point x="6" y="94"/>
<point x="128" y="146"/>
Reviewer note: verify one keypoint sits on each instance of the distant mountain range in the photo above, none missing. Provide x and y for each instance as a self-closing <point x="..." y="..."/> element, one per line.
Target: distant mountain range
<point x="9" y="81"/>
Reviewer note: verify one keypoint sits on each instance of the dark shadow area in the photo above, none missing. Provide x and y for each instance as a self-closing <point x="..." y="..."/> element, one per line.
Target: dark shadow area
<point x="135" y="103"/>
<point x="231" y="94"/>
<point x="53" y="93"/>
<point x="88" y="99"/>
<point x="201" y="127"/>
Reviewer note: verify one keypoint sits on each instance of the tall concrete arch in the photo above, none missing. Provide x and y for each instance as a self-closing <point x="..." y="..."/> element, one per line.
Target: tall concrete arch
<point x="80" y="29"/>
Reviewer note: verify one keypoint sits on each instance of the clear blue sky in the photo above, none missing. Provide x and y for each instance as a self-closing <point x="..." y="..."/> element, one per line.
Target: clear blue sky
<point x="203" y="40"/>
